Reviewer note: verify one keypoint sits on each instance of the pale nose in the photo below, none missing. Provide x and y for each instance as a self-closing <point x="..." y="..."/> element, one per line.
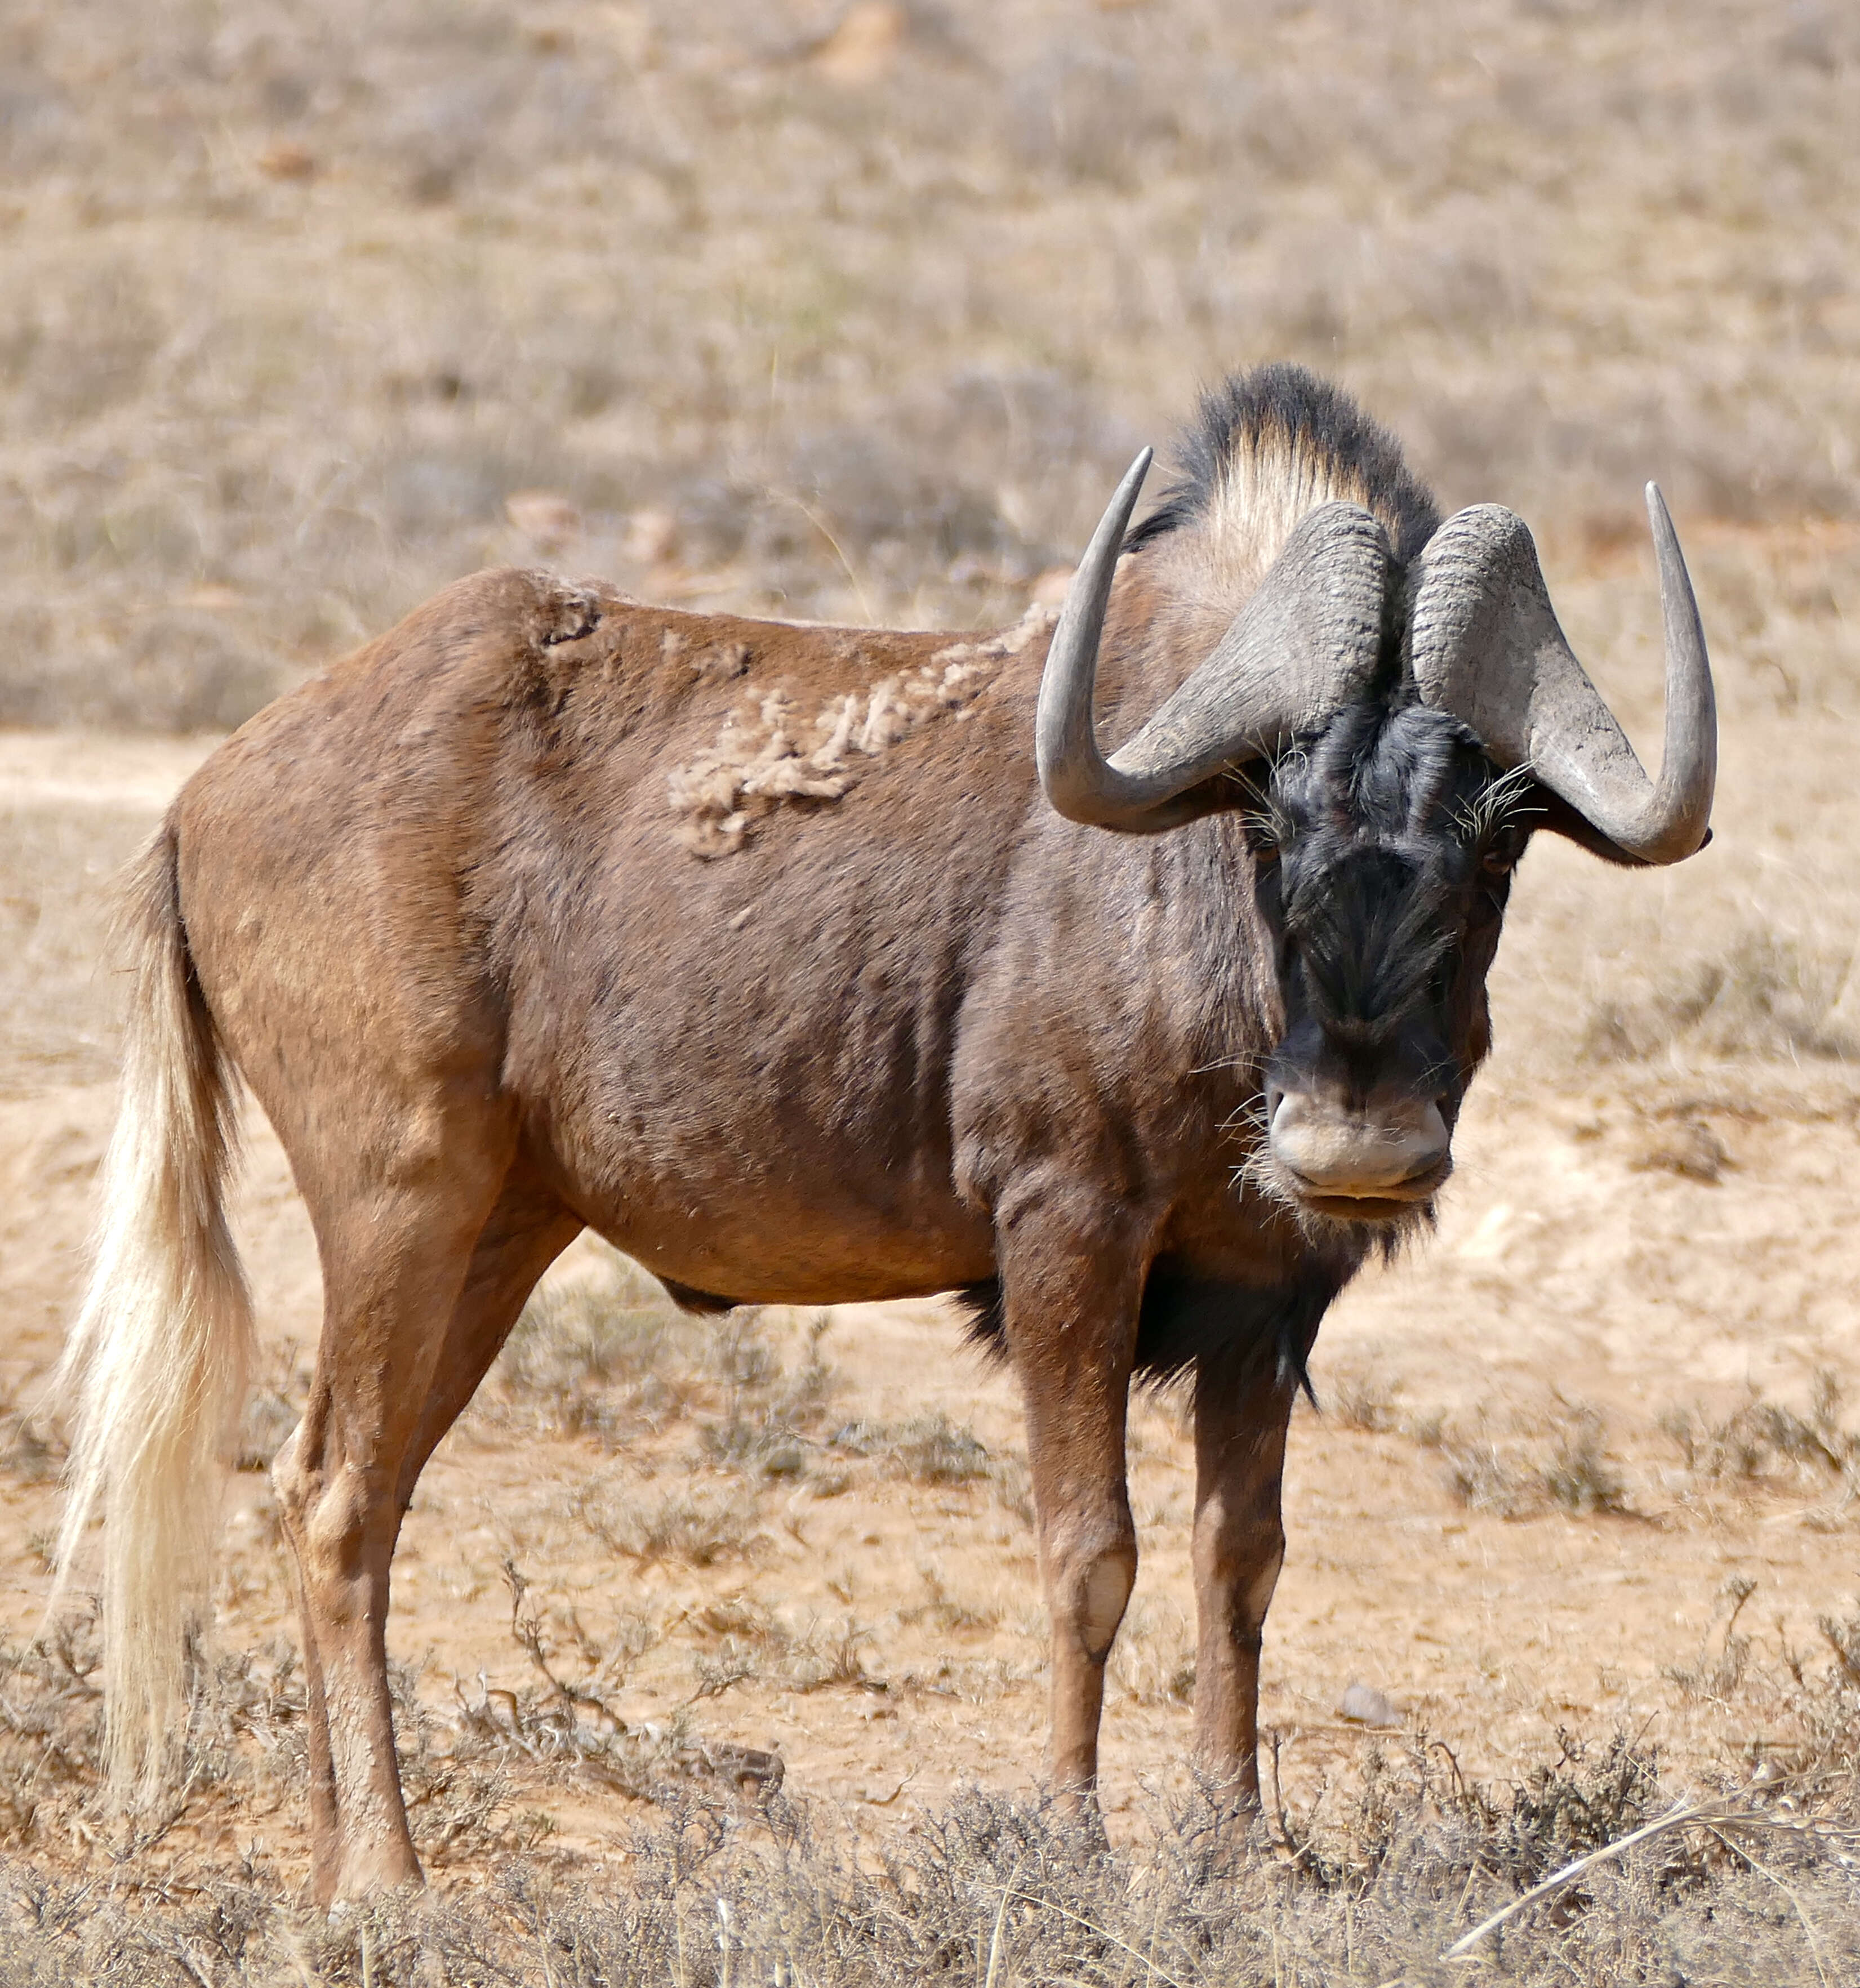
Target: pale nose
<point x="1368" y="1153"/>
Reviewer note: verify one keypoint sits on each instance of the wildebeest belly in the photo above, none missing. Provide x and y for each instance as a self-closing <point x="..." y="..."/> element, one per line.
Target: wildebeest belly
<point x="778" y="1170"/>
<point x="738" y="1072"/>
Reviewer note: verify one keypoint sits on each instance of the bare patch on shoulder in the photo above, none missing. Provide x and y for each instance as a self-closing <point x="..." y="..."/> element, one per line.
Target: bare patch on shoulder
<point x="721" y="661"/>
<point x="772" y="750"/>
<point x="717" y="662"/>
<point x="567" y="611"/>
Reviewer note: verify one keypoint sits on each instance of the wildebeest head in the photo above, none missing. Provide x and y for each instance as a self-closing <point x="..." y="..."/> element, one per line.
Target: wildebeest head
<point x="1383" y="849"/>
<point x="1394" y="731"/>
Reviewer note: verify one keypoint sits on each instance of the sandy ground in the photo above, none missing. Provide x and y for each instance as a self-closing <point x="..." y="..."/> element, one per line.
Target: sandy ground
<point x="1626" y="1242"/>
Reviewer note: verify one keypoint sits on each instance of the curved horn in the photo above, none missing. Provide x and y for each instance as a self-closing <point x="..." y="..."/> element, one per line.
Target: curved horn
<point x="1485" y="644"/>
<point x="1307" y="639"/>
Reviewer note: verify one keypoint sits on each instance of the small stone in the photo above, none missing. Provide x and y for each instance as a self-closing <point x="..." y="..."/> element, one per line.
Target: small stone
<point x="1363" y="1705"/>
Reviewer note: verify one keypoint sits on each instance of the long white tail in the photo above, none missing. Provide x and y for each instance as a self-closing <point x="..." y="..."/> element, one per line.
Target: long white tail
<point x="154" y="1371"/>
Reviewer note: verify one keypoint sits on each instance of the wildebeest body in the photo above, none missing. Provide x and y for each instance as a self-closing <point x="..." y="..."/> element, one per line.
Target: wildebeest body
<point x="813" y="965"/>
<point x="753" y="1073"/>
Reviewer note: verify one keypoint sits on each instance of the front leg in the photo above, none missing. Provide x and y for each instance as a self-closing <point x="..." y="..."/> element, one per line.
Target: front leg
<point x="1240" y="1421"/>
<point x="1070" y="1303"/>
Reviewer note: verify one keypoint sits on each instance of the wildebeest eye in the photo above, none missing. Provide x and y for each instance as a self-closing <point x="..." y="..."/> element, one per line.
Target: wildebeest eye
<point x="1262" y="825"/>
<point x="1502" y="855"/>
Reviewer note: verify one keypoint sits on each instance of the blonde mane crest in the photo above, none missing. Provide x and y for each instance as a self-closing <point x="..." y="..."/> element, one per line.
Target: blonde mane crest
<point x="1267" y="448"/>
<point x="1266" y="489"/>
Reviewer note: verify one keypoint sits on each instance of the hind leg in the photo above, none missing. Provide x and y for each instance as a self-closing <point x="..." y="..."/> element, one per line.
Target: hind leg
<point x="527" y="1230"/>
<point x="396" y="1254"/>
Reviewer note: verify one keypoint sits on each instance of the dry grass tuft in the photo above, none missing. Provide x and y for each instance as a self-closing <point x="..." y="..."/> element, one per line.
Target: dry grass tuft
<point x="1366" y="1400"/>
<point x="1536" y="1463"/>
<point x="934" y="1452"/>
<point x="1759" y="995"/>
<point x="610" y="1357"/>
<point x="1518" y="1463"/>
<point x="1763" y="1440"/>
<point x="771" y="1416"/>
<point x="601" y="1357"/>
<point x="926" y="1449"/>
<point x="696" y="1528"/>
<point x="1687" y="1146"/>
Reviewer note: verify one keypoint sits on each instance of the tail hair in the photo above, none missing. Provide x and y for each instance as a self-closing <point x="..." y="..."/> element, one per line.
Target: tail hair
<point x="155" y="1371"/>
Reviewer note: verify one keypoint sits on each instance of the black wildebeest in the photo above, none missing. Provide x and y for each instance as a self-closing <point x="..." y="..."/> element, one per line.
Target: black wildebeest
<point x="761" y="950"/>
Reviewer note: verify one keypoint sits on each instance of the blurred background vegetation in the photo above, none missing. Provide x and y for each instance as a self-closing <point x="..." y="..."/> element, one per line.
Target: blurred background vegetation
<point x="854" y="311"/>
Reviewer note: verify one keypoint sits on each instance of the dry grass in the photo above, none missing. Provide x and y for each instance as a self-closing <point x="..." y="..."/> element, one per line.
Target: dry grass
<point x="1366" y="1872"/>
<point x="1764" y="1440"/>
<point x="1533" y="1463"/>
<point x="694" y="1529"/>
<point x="297" y="309"/>
<point x="610" y="1357"/>
<point x="931" y="1451"/>
<point x="1516" y="1462"/>
<point x="732" y="1880"/>
<point x="1521" y="1460"/>
<point x="603" y="1359"/>
<point x="1761" y="994"/>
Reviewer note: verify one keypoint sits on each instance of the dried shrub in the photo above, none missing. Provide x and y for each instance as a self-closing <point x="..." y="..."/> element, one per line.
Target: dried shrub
<point x="729" y="1874"/>
<point x="1532" y="1465"/>
<point x="771" y="1416"/>
<point x="825" y="1663"/>
<point x="1761" y="1439"/>
<point x="1762" y="994"/>
<point x="1365" y="1401"/>
<point x="932" y="1451"/>
<point x="592" y="1356"/>
<point x="698" y="1528"/>
<point x="464" y="1766"/>
<point x="568" y="1727"/>
<point x="1583" y="1799"/>
<point x="1716" y="1674"/>
<point x="611" y="1355"/>
<point x="1580" y="1476"/>
<point x="1688" y="1148"/>
<point x="925" y="1449"/>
